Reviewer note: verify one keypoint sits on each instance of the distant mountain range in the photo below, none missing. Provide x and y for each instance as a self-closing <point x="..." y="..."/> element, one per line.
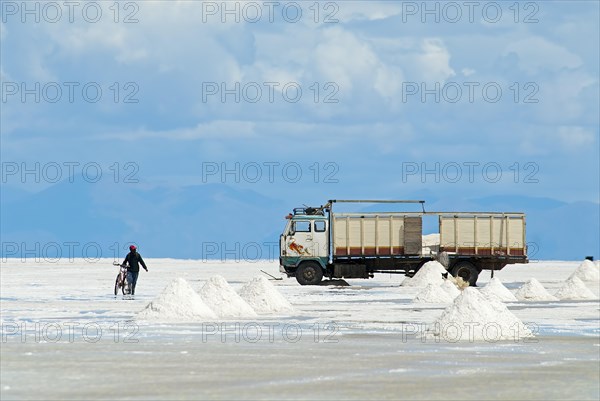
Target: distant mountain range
<point x="217" y="221"/>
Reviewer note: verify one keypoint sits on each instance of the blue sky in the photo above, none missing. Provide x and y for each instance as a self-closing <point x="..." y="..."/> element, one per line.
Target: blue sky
<point x="493" y="100"/>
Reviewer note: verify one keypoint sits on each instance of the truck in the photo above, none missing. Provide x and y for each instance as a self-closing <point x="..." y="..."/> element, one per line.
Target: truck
<point x="319" y="242"/>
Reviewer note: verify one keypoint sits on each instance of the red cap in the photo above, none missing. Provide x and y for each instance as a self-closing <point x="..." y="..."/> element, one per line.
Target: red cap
<point x="132" y="248"/>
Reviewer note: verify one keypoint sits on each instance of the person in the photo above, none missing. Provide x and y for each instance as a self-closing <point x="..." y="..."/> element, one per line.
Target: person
<point x="133" y="269"/>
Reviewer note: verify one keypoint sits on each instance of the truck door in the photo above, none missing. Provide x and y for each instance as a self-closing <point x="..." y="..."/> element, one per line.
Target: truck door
<point x="307" y="239"/>
<point x="320" y="237"/>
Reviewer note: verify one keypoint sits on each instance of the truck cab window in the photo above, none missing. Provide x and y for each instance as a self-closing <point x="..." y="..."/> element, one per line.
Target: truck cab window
<point x="319" y="226"/>
<point x="301" y="226"/>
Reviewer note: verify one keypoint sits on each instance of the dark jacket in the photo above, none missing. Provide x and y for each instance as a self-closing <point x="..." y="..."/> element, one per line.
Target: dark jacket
<point x="134" y="260"/>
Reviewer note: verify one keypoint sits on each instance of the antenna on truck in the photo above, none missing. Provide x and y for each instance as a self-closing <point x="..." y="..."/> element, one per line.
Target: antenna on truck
<point x="422" y="202"/>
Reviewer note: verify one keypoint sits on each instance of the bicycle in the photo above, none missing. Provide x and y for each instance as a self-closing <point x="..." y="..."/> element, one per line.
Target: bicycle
<point x="121" y="281"/>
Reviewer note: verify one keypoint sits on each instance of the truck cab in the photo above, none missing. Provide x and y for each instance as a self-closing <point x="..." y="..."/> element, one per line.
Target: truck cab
<point x="304" y="245"/>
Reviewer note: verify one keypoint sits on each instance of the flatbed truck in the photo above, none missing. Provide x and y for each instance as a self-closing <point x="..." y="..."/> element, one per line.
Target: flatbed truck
<point x="319" y="242"/>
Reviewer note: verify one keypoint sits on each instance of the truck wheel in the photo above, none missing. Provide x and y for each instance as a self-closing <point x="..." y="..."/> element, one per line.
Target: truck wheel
<point x="309" y="273"/>
<point x="467" y="272"/>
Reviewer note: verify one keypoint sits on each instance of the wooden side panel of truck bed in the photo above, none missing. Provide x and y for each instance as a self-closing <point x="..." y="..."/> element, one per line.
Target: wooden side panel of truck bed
<point x="376" y="235"/>
<point x="483" y="234"/>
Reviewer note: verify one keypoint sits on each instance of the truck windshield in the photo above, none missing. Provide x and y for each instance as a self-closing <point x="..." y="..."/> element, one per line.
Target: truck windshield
<point x="301" y="226"/>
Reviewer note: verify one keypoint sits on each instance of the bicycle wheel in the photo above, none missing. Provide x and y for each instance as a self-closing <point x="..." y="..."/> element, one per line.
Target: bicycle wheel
<point x="117" y="284"/>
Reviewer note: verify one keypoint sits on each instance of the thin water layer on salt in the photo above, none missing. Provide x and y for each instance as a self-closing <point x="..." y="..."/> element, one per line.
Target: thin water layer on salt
<point x="365" y="366"/>
<point x="375" y="318"/>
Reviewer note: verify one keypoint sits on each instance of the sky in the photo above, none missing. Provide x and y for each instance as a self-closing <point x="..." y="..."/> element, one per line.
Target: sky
<point x="177" y="124"/>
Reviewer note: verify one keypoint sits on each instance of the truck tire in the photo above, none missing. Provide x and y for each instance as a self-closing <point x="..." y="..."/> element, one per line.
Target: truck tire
<point x="467" y="271"/>
<point x="309" y="273"/>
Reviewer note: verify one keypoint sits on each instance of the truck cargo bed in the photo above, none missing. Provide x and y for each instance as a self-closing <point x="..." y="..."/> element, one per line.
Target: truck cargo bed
<point x="364" y="234"/>
<point x="483" y="233"/>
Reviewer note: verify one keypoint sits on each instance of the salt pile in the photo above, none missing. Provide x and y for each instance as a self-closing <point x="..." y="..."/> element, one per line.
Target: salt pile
<point x="574" y="289"/>
<point x="430" y="244"/>
<point x="261" y="295"/>
<point x="430" y="273"/>
<point x="496" y="289"/>
<point x="434" y="294"/>
<point x="450" y="288"/>
<point x="472" y="317"/>
<point x="223" y="300"/>
<point x="430" y="240"/>
<point x="533" y="290"/>
<point x="178" y="301"/>
<point x="587" y="271"/>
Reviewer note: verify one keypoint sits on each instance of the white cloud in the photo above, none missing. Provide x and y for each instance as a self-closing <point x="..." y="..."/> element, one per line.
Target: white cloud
<point x="543" y="141"/>
<point x="352" y="63"/>
<point x="343" y="58"/>
<point x="467" y="72"/>
<point x="3" y="75"/>
<point x="434" y="61"/>
<point x="244" y="138"/>
<point x="561" y="97"/>
<point x="575" y="137"/>
<point x="218" y="129"/>
<point x="172" y="52"/>
<point x="388" y="81"/>
<point x="422" y="59"/>
<point x="536" y="53"/>
<point x="362" y="10"/>
<point x="276" y="74"/>
<point x="173" y="41"/>
<point x="168" y="37"/>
